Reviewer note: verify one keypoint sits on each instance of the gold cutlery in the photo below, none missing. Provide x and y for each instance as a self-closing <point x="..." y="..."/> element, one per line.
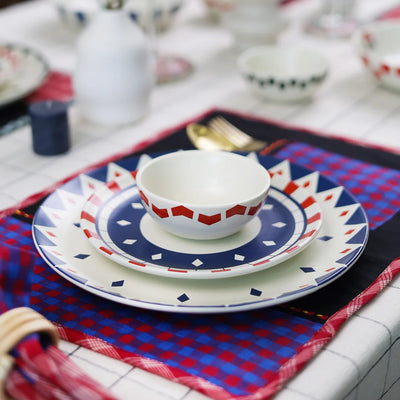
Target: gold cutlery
<point x="222" y="135"/>
<point x="204" y="138"/>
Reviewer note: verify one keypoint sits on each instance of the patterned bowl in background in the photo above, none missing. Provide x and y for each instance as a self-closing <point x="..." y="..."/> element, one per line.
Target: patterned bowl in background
<point x="77" y="13"/>
<point x="284" y="74"/>
<point x="378" y="46"/>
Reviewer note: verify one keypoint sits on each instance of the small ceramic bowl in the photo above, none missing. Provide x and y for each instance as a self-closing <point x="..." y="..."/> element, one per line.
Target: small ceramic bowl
<point x="378" y="46"/>
<point x="77" y="13"/>
<point x="283" y="73"/>
<point x="199" y="194"/>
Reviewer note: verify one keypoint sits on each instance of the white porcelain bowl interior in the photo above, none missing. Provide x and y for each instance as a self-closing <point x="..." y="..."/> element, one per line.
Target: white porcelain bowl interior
<point x="378" y="46"/>
<point x="203" y="194"/>
<point x="78" y="13"/>
<point x="283" y="73"/>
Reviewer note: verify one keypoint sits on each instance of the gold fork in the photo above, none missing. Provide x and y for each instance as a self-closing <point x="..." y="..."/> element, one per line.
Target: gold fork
<point x="240" y="140"/>
<point x="204" y="138"/>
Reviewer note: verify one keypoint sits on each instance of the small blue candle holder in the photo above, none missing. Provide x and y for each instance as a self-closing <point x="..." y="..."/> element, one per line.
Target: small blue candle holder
<point x="50" y="127"/>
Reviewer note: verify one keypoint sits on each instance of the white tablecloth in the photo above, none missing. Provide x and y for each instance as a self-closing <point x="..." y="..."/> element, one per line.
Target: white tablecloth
<point x="362" y="361"/>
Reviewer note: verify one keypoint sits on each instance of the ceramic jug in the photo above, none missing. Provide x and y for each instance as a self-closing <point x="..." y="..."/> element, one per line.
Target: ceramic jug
<point x="114" y="73"/>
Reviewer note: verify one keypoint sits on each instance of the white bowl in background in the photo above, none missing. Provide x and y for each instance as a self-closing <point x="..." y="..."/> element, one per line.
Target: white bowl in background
<point x="253" y="22"/>
<point x="378" y="46"/>
<point x="283" y="73"/>
<point x="199" y="194"/>
<point x="77" y="13"/>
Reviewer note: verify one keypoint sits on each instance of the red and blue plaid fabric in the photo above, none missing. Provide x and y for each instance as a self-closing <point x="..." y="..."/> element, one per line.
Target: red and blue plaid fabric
<point x="240" y="353"/>
<point x="15" y="273"/>
<point x="375" y="187"/>
<point x="17" y="256"/>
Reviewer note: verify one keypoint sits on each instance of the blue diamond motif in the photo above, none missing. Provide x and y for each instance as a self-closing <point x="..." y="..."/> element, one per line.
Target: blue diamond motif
<point x="118" y="283"/>
<point x="82" y="256"/>
<point x="183" y="297"/>
<point x="307" y="269"/>
<point x="255" y="292"/>
<point x="325" y="238"/>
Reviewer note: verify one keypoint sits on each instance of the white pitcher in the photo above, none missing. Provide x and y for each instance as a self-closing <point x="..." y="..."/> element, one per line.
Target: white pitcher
<point x="114" y="75"/>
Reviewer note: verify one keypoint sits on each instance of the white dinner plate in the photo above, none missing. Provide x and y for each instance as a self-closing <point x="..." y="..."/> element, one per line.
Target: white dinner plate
<point x="118" y="226"/>
<point x="63" y="245"/>
<point x="30" y="70"/>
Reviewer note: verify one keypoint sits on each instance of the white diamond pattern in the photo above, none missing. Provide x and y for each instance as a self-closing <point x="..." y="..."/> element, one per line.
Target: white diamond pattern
<point x="123" y="222"/>
<point x="269" y="242"/>
<point x="129" y="241"/>
<point x="197" y="262"/>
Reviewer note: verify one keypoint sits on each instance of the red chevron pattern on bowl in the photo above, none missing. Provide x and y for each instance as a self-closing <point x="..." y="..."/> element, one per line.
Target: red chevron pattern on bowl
<point x="184" y="211"/>
<point x="201" y="194"/>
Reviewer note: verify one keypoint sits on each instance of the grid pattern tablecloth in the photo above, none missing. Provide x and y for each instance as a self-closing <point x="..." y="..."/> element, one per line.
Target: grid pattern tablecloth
<point x="349" y="104"/>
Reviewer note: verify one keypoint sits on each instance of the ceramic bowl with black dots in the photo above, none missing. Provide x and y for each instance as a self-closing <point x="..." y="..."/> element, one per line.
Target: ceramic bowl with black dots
<point x="283" y="73"/>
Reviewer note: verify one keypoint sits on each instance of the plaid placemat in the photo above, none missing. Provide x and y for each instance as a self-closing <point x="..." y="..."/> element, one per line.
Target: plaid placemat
<point x="243" y="355"/>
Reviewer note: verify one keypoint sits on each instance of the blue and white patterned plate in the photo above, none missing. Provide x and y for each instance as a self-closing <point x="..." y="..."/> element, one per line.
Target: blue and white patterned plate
<point x="118" y="226"/>
<point x="62" y="243"/>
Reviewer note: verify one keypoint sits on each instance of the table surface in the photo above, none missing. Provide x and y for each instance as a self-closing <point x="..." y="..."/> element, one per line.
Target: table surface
<point x="349" y="104"/>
